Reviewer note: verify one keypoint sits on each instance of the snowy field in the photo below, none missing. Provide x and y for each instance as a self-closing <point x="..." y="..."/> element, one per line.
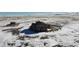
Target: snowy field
<point x="67" y="36"/>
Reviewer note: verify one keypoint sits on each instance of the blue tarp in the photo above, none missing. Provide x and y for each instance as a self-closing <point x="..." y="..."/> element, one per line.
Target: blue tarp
<point x="28" y="31"/>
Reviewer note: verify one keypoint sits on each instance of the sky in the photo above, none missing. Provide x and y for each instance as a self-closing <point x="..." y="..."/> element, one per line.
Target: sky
<point x="35" y="13"/>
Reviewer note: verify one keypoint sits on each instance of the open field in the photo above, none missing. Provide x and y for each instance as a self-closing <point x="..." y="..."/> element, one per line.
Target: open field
<point x="67" y="36"/>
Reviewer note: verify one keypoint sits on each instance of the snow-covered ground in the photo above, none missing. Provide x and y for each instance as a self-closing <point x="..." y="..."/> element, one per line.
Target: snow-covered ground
<point x="68" y="36"/>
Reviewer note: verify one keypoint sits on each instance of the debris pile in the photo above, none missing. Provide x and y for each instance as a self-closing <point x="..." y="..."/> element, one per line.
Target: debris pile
<point x="43" y="27"/>
<point x="12" y="24"/>
<point x="36" y="27"/>
<point x="14" y="31"/>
